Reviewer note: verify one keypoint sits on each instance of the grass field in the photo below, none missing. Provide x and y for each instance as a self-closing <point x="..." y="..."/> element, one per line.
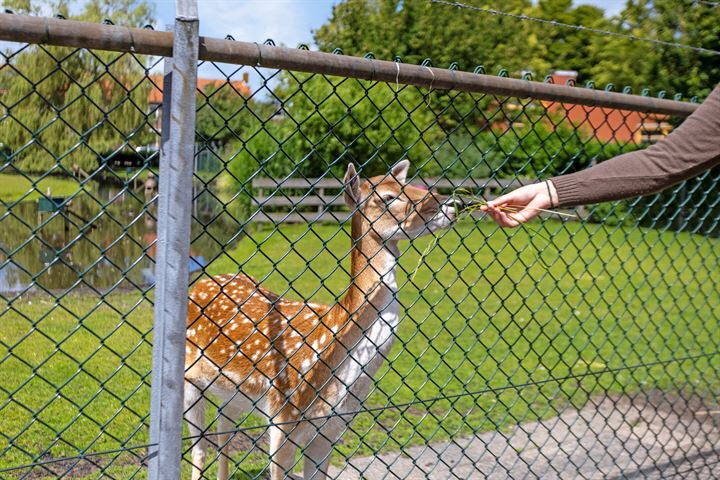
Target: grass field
<point x="511" y="328"/>
<point x="13" y="187"/>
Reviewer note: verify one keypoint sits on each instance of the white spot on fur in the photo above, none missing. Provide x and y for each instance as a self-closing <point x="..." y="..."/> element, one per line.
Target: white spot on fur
<point x="305" y="365"/>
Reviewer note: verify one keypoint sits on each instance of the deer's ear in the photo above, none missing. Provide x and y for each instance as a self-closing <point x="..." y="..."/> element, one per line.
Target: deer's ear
<point x="400" y="170"/>
<point x="352" y="186"/>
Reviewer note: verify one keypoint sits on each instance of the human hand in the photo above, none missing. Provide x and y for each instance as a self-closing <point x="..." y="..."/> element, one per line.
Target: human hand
<point x="521" y="205"/>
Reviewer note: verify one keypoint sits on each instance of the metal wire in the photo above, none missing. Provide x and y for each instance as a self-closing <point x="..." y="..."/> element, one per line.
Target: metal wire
<point x="75" y="457"/>
<point x="555" y="23"/>
<point x="450" y="397"/>
<point x="578" y="348"/>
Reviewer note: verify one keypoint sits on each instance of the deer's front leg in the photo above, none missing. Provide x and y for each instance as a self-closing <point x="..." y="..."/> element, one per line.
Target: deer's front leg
<point x="317" y="458"/>
<point x="282" y="454"/>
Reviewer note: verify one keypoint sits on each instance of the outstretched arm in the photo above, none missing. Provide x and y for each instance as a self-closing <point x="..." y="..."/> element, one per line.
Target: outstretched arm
<point x="690" y="149"/>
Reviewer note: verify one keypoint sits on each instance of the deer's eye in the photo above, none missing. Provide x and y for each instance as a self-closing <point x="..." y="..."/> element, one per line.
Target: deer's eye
<point x="389" y="198"/>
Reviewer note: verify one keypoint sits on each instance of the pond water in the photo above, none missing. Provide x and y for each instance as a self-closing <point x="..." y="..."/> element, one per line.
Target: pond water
<point x="102" y="239"/>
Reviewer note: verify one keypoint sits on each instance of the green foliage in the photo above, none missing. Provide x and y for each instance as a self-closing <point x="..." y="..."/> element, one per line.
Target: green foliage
<point x="320" y="124"/>
<point x="536" y="143"/>
<point x="418" y="29"/>
<point x="75" y="107"/>
<point x="640" y="65"/>
<point x="324" y="123"/>
<point x="612" y="214"/>
<point x="334" y="121"/>
<point x="692" y="206"/>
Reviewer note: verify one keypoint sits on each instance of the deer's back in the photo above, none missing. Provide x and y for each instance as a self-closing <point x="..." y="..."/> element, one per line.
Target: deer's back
<point x="242" y="335"/>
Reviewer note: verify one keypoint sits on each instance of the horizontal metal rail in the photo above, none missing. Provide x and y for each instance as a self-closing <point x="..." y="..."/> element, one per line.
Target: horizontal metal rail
<point x="70" y="33"/>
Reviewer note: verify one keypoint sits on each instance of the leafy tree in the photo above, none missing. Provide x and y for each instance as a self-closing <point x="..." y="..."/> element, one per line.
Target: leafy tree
<point x="628" y="62"/>
<point x="417" y="29"/>
<point x="562" y="48"/>
<point x="321" y="123"/>
<point x="68" y="106"/>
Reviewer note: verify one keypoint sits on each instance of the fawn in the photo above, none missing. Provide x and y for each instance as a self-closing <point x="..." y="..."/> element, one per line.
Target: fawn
<point x="305" y="366"/>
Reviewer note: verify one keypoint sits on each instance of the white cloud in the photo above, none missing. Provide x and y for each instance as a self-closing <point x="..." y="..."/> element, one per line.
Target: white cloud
<point x="287" y="22"/>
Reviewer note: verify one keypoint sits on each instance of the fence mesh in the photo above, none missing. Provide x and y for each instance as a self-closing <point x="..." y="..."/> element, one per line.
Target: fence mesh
<point x="76" y="261"/>
<point x="564" y="348"/>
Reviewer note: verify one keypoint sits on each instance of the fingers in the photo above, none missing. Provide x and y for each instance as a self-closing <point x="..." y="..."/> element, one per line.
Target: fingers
<point x="527" y="213"/>
<point x="516" y="207"/>
<point x="517" y="197"/>
<point x="511" y="219"/>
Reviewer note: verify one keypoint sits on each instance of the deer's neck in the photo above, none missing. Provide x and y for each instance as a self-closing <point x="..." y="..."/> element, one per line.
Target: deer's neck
<point x="373" y="285"/>
<point x="365" y="320"/>
<point x="364" y="323"/>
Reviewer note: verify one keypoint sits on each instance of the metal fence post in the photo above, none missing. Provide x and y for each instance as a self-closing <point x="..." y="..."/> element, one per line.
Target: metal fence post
<point x="173" y="252"/>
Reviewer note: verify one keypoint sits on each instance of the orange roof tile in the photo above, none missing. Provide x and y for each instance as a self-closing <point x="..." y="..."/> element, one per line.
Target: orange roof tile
<point x="155" y="95"/>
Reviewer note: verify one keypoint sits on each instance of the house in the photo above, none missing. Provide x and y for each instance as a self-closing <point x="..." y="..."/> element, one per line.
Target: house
<point x="206" y="85"/>
<point x="607" y="124"/>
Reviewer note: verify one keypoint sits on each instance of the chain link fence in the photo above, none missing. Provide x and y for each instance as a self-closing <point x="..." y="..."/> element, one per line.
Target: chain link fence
<point x="321" y="340"/>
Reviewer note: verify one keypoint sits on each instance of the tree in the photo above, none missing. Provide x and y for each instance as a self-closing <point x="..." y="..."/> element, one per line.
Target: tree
<point x="318" y="124"/>
<point x="675" y="70"/>
<point x="69" y="106"/>
<point x="564" y="48"/>
<point x="418" y="29"/>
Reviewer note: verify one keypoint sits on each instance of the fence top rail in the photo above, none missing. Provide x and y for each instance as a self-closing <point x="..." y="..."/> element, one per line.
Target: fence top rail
<point x="70" y="33"/>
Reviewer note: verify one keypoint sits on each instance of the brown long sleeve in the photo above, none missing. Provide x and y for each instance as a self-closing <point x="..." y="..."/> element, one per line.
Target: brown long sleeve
<point x="693" y="147"/>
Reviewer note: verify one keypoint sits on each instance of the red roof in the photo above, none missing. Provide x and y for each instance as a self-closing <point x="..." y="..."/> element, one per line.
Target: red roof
<point x="604" y="123"/>
<point x="204" y="84"/>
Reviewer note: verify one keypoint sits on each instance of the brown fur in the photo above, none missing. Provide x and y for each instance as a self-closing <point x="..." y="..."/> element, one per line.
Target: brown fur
<point x="242" y="336"/>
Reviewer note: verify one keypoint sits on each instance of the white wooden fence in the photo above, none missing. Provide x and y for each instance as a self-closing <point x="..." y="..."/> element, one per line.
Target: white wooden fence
<point x="303" y="200"/>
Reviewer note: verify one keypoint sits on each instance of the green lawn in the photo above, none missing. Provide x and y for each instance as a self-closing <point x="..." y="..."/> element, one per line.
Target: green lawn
<point x="13" y="187"/>
<point x="510" y="328"/>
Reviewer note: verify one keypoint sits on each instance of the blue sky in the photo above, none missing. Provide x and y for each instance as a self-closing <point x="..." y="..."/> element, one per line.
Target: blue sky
<point x="288" y="22"/>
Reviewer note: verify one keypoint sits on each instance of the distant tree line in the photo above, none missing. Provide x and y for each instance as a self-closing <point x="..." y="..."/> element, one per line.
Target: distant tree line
<point x="77" y="107"/>
<point x="419" y="29"/>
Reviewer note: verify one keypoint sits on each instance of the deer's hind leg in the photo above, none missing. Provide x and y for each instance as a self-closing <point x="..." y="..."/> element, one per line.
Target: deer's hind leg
<point x="195" y="417"/>
<point x="233" y="406"/>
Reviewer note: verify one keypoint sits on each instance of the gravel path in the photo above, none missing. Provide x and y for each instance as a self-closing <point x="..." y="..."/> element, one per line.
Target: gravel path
<point x="649" y="436"/>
